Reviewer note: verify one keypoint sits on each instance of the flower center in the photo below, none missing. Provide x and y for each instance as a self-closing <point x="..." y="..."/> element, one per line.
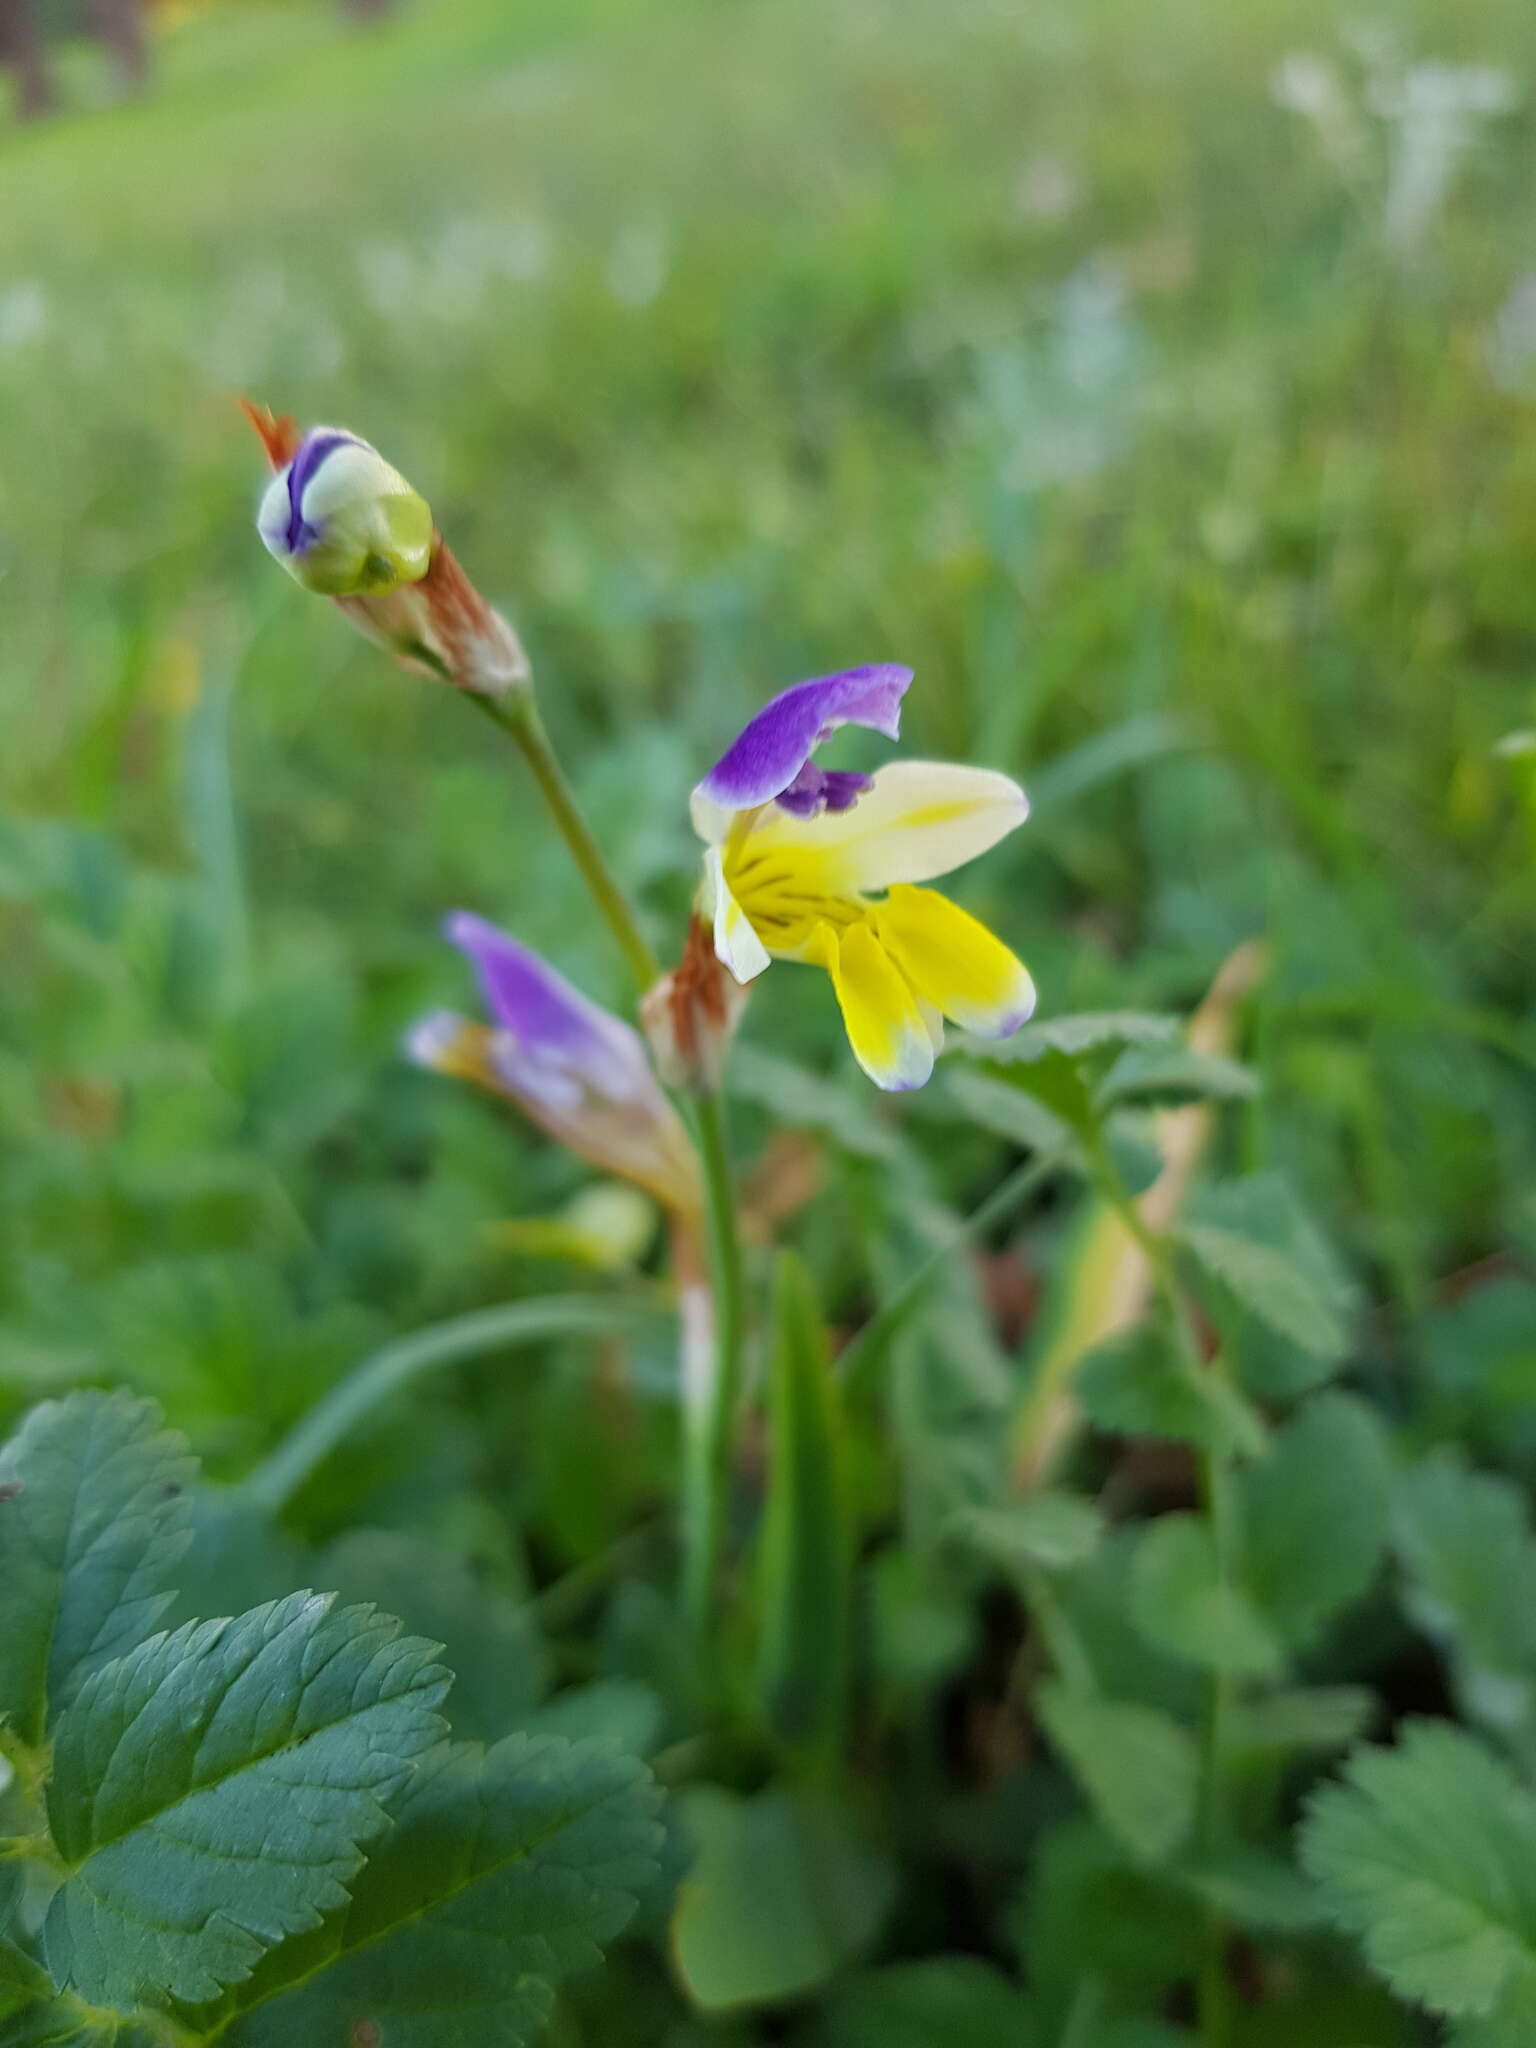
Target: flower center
<point x="781" y="899"/>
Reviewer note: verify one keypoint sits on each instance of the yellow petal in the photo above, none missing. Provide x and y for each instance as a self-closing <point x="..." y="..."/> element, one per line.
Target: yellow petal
<point x="736" y="943"/>
<point x="919" y="820"/>
<point x="954" y="962"/>
<point x="885" y="1026"/>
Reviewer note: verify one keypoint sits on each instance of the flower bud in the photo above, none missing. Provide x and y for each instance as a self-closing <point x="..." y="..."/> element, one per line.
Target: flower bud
<point x="690" y="1016"/>
<point x="346" y="524"/>
<point x="343" y="521"/>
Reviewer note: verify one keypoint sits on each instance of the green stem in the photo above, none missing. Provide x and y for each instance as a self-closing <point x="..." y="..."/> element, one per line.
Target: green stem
<point x="518" y="716"/>
<point x="712" y="1383"/>
<point x="278" y="1477"/>
<point x="866" y="1349"/>
<point x="1214" y="1991"/>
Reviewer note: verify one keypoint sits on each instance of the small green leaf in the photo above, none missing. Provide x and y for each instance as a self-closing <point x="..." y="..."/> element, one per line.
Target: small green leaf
<point x="784" y="1891"/>
<point x="1181" y="1601"/>
<point x="1313" y="1516"/>
<point x="504" y="1872"/>
<point x="805" y="1550"/>
<point x="1137" y="1767"/>
<point x="93" y="1511"/>
<point x="1136" y="1386"/>
<point x="213" y="1790"/>
<point x="1042" y="1532"/>
<point x="1427" y="1853"/>
<point x="1469" y="1561"/>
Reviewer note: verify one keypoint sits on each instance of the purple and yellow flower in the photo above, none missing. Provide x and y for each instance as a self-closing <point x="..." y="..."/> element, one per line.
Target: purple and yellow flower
<point x="577" y="1072"/>
<point x="824" y="865"/>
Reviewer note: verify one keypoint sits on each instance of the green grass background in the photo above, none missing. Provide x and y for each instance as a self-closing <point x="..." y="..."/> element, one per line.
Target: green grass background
<point x="1034" y="345"/>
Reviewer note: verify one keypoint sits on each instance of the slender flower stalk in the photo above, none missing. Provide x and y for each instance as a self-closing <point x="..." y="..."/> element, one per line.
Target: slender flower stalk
<point x="519" y="718"/>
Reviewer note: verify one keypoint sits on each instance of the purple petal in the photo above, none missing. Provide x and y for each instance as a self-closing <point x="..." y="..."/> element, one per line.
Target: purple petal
<point x="313" y="450"/>
<point x="769" y="753"/>
<point x="823" y="789"/>
<point x="547" y="1019"/>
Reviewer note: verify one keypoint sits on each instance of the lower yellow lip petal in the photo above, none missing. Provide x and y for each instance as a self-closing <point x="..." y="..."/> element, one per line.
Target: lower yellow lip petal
<point x="885" y="1025"/>
<point x="954" y="962"/>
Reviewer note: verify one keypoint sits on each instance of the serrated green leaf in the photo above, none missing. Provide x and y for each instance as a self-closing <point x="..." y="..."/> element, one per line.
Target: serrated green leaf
<point x="805" y="1552"/>
<point x="1427" y="1853"/>
<point x="1182" y="1602"/>
<point x="1042" y="1532"/>
<point x="1137" y="1767"/>
<point x="504" y="1872"/>
<point x="212" y="1792"/>
<point x="1084" y="1032"/>
<point x="93" y="1510"/>
<point x="1170" y="1074"/>
<point x="1137" y="1387"/>
<point x="1469" y="1561"/>
<point x="1313" y="1516"/>
<point x="958" y="2000"/>
<point x="1269" y="1285"/>
<point x="783" y="1892"/>
<point x="1276" y="1288"/>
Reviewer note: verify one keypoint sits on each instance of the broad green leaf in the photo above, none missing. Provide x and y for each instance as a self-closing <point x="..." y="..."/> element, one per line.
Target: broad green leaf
<point x="213" y="1790"/>
<point x="1469" y="1563"/>
<point x="1427" y="1852"/>
<point x="1174" y="1074"/>
<point x="1041" y="1532"/>
<point x="957" y="2000"/>
<point x="93" y="1508"/>
<point x="504" y="1872"/>
<point x="1137" y="1767"/>
<point x="1138" y="1387"/>
<point x="805" y="1550"/>
<point x="1313" y="1516"/>
<point x="1182" y="1602"/>
<point x="784" y="1892"/>
<point x="1303" y="1718"/>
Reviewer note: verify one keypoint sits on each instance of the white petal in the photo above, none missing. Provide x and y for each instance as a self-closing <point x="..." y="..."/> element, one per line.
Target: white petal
<point x="711" y="821"/>
<point x="921" y="819"/>
<point x="736" y="943"/>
